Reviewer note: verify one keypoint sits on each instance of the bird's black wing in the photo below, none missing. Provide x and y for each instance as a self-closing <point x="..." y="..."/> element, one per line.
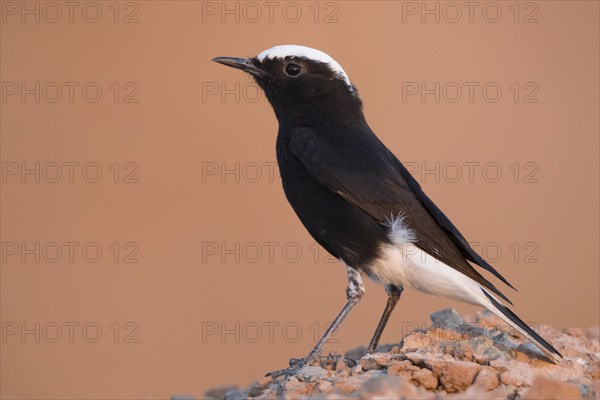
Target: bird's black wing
<point x="460" y="241"/>
<point x="358" y="167"/>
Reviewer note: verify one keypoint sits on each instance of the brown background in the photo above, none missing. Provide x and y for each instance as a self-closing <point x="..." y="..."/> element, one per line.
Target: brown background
<point x="177" y="129"/>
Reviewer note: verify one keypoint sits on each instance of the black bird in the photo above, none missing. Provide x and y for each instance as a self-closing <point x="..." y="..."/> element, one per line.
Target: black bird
<point x="356" y="198"/>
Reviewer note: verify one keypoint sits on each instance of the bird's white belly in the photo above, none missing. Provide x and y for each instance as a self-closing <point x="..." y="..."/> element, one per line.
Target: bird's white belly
<point x="410" y="266"/>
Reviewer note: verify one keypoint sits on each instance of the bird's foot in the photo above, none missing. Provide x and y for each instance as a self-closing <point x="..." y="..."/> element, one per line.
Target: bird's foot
<point x="296" y="364"/>
<point x="332" y="359"/>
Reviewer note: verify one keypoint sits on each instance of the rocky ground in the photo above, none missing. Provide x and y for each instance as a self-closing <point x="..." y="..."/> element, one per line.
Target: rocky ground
<point x="455" y="358"/>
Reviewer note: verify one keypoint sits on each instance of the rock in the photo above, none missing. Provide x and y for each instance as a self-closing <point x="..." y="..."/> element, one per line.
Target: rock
<point x="296" y="390"/>
<point x="484" y="349"/>
<point x="475" y="393"/>
<point x="369" y="363"/>
<point x="594" y="371"/>
<point x="259" y="387"/>
<point x="456" y="358"/>
<point x="414" y="342"/>
<point x="350" y="385"/>
<point x="515" y="374"/>
<point x="447" y="318"/>
<point x="401" y="369"/>
<point x="388" y="387"/>
<point x="219" y="392"/>
<point x="425" y="378"/>
<point x="325" y="387"/>
<point x="398" y="366"/>
<point x="461" y="350"/>
<point x="342" y="369"/>
<point x="311" y="374"/>
<point x="543" y="388"/>
<point x="454" y="376"/>
<point x="487" y="379"/>
<point x="235" y="395"/>
<point x="573" y="331"/>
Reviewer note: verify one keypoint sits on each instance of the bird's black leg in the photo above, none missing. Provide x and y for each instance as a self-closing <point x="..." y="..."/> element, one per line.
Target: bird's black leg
<point x="394" y="293"/>
<point x="354" y="293"/>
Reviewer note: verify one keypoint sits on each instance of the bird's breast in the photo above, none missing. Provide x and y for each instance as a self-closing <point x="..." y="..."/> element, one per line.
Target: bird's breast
<point x="345" y="231"/>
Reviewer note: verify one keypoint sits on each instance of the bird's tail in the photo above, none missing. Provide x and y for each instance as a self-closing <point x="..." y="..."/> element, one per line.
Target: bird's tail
<point x="513" y="320"/>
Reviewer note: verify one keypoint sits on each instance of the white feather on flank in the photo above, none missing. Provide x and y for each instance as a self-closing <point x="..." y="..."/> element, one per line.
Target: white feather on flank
<point x="403" y="263"/>
<point x="400" y="233"/>
<point x="292" y="50"/>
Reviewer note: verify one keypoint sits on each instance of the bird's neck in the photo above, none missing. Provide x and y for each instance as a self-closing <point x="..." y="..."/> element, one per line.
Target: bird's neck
<point x="323" y="112"/>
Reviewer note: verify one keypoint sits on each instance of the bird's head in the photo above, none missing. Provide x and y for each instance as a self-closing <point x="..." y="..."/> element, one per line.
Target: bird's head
<point x="301" y="83"/>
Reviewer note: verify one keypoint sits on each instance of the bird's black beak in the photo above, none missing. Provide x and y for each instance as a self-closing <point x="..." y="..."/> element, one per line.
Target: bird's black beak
<point x="245" y="64"/>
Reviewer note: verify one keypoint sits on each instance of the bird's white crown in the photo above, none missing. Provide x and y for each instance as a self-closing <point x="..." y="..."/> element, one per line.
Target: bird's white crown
<point x="292" y="50"/>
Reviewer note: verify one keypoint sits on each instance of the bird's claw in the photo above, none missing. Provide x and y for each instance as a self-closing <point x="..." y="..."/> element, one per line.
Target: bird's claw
<point x="283" y="372"/>
<point x="296" y="364"/>
<point x="296" y="361"/>
<point x="332" y="359"/>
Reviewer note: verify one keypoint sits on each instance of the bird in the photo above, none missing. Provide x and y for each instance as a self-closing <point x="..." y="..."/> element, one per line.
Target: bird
<point x="358" y="201"/>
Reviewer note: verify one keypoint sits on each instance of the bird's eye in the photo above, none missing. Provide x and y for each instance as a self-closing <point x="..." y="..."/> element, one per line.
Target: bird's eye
<point x="292" y="70"/>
